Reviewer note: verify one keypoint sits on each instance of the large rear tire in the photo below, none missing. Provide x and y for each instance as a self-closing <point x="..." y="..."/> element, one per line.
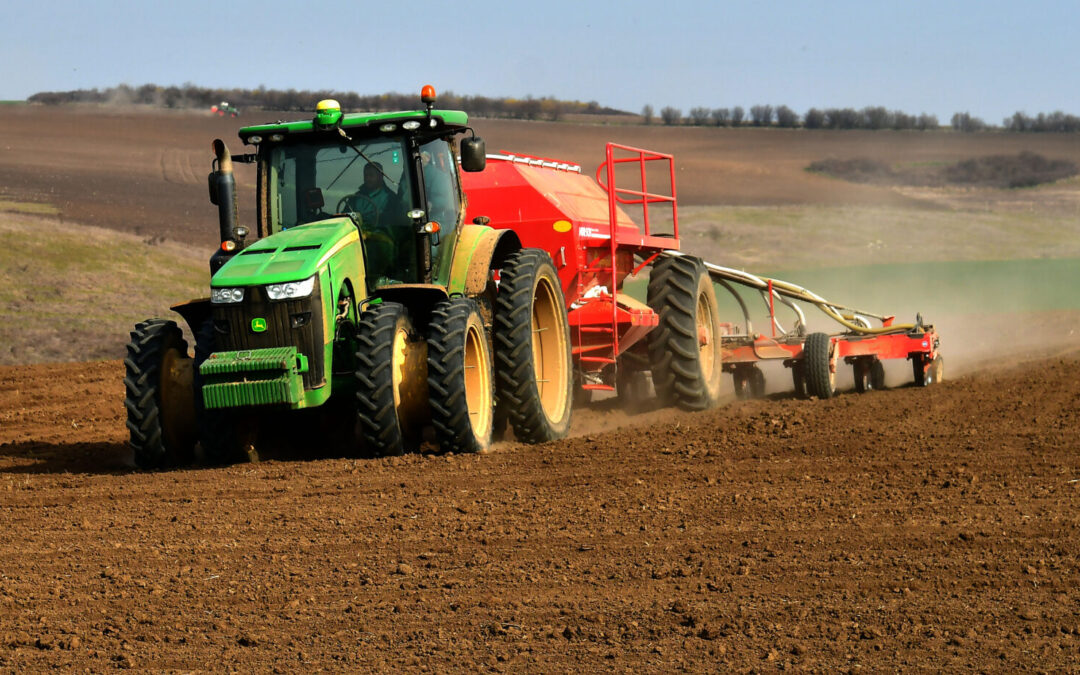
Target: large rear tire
<point x="160" y="399"/>
<point x="531" y="338"/>
<point x="460" y="383"/>
<point x="685" y="347"/>
<point x="390" y="379"/>
<point x="820" y="376"/>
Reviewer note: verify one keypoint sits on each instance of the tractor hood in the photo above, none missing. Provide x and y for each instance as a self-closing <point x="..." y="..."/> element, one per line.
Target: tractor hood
<point x="292" y="255"/>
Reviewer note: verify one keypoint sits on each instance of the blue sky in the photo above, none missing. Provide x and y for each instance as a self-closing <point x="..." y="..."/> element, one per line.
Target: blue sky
<point x="990" y="58"/>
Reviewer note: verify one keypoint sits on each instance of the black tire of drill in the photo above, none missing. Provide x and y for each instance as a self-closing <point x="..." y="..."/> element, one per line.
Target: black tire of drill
<point x="516" y="384"/>
<point x="927" y="373"/>
<point x="217" y="428"/>
<point x="142" y="381"/>
<point x="819" y="379"/>
<point x="674" y="350"/>
<point x="798" y="379"/>
<point x="447" y="394"/>
<point x="877" y="375"/>
<point x="757" y="383"/>
<point x="380" y="427"/>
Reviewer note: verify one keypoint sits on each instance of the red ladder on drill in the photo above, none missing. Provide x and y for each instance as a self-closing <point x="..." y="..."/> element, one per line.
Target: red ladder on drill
<point x="597" y="344"/>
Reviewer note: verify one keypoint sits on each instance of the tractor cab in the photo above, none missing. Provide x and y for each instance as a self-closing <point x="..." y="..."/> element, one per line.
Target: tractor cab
<point x="393" y="174"/>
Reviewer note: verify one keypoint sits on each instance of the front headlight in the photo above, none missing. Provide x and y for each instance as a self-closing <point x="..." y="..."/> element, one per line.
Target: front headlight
<point x="291" y="289"/>
<point x="226" y="296"/>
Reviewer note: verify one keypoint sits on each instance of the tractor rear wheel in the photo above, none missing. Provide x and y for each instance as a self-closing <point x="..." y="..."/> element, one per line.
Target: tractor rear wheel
<point x="531" y="338"/>
<point x="460" y="383"/>
<point x="160" y="399"/>
<point x="390" y="379"/>
<point x="684" y="348"/>
<point x="820" y="376"/>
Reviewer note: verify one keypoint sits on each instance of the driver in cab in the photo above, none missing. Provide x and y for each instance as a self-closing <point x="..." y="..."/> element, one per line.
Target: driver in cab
<point x="374" y="201"/>
<point x="379" y="212"/>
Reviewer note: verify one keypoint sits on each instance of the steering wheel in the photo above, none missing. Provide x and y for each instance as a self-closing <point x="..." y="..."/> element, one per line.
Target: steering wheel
<point x="367" y="206"/>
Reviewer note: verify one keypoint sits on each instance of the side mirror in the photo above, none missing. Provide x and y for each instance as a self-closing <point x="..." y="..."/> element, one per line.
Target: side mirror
<point x="473" y="154"/>
<point x="212" y="181"/>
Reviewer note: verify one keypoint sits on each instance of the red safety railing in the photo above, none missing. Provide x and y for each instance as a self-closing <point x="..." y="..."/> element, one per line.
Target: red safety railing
<point x="624" y="196"/>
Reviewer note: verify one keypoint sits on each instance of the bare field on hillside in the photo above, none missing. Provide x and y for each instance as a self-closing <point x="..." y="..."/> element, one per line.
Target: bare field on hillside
<point x="145" y="172"/>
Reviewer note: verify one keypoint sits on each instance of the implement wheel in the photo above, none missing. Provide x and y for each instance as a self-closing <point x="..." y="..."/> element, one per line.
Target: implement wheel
<point x="749" y="382"/>
<point x="684" y="348"/>
<point x="160" y="399"/>
<point x="460" y="386"/>
<point x="390" y="379"/>
<point x="869" y="374"/>
<point x="798" y="379"/>
<point x="820" y="376"/>
<point x="927" y="374"/>
<point x="531" y="337"/>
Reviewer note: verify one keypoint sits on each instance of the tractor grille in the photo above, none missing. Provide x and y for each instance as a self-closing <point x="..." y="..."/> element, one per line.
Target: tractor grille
<point x="232" y="327"/>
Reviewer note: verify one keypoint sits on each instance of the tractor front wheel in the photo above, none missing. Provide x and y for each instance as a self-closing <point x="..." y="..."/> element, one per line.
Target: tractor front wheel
<point x="531" y="338"/>
<point x="160" y="399"/>
<point x="460" y="386"/>
<point x="390" y="379"/>
<point x="685" y="347"/>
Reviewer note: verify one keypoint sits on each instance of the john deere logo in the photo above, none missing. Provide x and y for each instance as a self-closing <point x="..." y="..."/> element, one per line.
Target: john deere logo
<point x="258" y="325"/>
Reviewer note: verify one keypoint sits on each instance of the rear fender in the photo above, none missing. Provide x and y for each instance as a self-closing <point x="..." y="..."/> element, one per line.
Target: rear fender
<point x="480" y="249"/>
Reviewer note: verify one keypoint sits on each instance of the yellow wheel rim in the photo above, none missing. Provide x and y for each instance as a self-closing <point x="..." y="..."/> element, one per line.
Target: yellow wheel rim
<point x="478" y="396"/>
<point x="409" y="379"/>
<point x="550" y="363"/>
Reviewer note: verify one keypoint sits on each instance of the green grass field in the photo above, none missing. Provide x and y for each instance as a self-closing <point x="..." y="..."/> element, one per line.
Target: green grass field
<point x="69" y="292"/>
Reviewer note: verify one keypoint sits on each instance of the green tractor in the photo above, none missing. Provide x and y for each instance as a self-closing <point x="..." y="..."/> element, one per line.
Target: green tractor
<point x="362" y="305"/>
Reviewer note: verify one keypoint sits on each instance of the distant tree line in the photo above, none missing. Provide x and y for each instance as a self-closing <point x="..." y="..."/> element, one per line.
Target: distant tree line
<point x="192" y="96"/>
<point x="550" y="108"/>
<point x="1054" y="122"/>
<point x="784" y="117"/>
<point x="871" y="117"/>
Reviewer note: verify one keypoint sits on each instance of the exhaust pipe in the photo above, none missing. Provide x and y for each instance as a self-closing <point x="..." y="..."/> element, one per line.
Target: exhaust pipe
<point x="223" y="191"/>
<point x="222" y="185"/>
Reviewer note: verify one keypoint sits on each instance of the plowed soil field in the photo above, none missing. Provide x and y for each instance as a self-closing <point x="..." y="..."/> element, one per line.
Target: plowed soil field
<point x="144" y="172"/>
<point x="931" y="529"/>
<point x="913" y="528"/>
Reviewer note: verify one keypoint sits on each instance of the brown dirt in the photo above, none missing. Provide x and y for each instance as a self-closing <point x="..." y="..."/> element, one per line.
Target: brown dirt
<point x="145" y="171"/>
<point x="932" y="529"/>
<point x="905" y="529"/>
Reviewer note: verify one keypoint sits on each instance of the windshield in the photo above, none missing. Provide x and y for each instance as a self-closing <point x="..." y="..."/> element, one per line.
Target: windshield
<point x="366" y="180"/>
